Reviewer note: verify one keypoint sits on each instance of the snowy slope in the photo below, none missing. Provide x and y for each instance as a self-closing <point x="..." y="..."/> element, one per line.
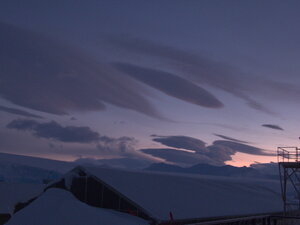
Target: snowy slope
<point x="11" y="172"/>
<point x="46" y="164"/>
<point x="193" y="196"/>
<point x="21" y="178"/>
<point x="25" y="169"/>
<point x="59" y="207"/>
<point x="270" y="172"/>
<point x="12" y="193"/>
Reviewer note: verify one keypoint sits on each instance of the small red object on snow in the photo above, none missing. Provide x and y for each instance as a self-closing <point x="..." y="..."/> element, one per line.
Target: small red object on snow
<point x="131" y="212"/>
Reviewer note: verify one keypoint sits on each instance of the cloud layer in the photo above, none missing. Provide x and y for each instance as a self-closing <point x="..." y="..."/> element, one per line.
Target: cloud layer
<point x="239" y="147"/>
<point x="217" y="153"/>
<point x="19" y="112"/>
<point x="44" y="70"/>
<point x="199" y="69"/>
<point x="205" y="71"/>
<point x="46" y="75"/>
<point x="54" y="131"/>
<point x="179" y="157"/>
<point x="98" y="144"/>
<point x="183" y="142"/>
<point x="171" y="85"/>
<point x="231" y="139"/>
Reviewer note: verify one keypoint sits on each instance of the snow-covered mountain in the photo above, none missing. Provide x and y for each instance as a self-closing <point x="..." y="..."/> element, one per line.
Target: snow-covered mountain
<point x="18" y="168"/>
<point x="26" y="169"/>
<point x="25" y="174"/>
<point x="206" y="169"/>
<point x="47" y="164"/>
<point x="24" y="177"/>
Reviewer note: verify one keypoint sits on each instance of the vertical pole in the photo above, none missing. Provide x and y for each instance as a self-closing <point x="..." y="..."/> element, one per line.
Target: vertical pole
<point x="85" y="191"/>
<point x="297" y="185"/>
<point x="268" y="221"/>
<point x="102" y="195"/>
<point x="284" y="190"/>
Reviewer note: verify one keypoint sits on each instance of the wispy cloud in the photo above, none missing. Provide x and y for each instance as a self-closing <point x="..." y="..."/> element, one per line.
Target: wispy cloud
<point x="73" y="80"/>
<point x="101" y="144"/>
<point x="217" y="153"/>
<point x="54" y="131"/>
<point x="203" y="70"/>
<point x="183" y="142"/>
<point x="239" y="147"/>
<point x="171" y="85"/>
<point x="230" y="138"/>
<point x="47" y="75"/>
<point x="19" y="112"/>
<point x="272" y="126"/>
<point x="180" y="157"/>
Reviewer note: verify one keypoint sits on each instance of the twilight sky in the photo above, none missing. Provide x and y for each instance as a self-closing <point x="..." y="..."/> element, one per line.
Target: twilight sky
<point x="134" y="82"/>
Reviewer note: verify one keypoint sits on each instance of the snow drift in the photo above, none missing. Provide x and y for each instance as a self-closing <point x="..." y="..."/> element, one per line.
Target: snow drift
<point x="59" y="207"/>
<point x="12" y="193"/>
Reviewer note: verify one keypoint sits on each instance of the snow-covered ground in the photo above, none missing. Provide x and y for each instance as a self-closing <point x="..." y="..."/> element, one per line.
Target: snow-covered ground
<point x="59" y="207"/>
<point x="186" y="196"/>
<point x="192" y="196"/>
<point x="12" y="193"/>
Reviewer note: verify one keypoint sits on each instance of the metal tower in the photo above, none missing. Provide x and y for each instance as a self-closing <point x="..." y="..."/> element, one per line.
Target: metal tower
<point x="289" y="171"/>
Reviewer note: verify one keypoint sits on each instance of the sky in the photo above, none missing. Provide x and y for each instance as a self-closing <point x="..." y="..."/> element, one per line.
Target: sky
<point x="137" y="82"/>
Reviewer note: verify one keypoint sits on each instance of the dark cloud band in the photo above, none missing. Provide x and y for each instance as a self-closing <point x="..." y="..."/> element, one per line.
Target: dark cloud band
<point x="272" y="126"/>
<point x="183" y="142"/>
<point x="230" y="139"/>
<point x="45" y="75"/>
<point x="239" y="147"/>
<point x="171" y="85"/>
<point x="54" y="131"/>
<point x="203" y="70"/>
<point x="18" y="112"/>
<point x="122" y="146"/>
<point x="179" y="157"/>
<point x="217" y="153"/>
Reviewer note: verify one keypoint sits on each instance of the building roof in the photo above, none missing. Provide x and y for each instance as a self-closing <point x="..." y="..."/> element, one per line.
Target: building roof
<point x="192" y="196"/>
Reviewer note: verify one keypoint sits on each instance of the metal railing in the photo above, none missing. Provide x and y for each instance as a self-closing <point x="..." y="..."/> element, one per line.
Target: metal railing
<point x="288" y="154"/>
<point x="253" y="220"/>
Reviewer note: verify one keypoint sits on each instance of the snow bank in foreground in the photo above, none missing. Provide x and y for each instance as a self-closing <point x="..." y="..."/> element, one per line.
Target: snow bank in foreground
<point x="12" y="193"/>
<point x="60" y="207"/>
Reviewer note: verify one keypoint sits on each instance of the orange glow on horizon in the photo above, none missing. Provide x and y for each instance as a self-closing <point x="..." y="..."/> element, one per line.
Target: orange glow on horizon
<point x="243" y="159"/>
